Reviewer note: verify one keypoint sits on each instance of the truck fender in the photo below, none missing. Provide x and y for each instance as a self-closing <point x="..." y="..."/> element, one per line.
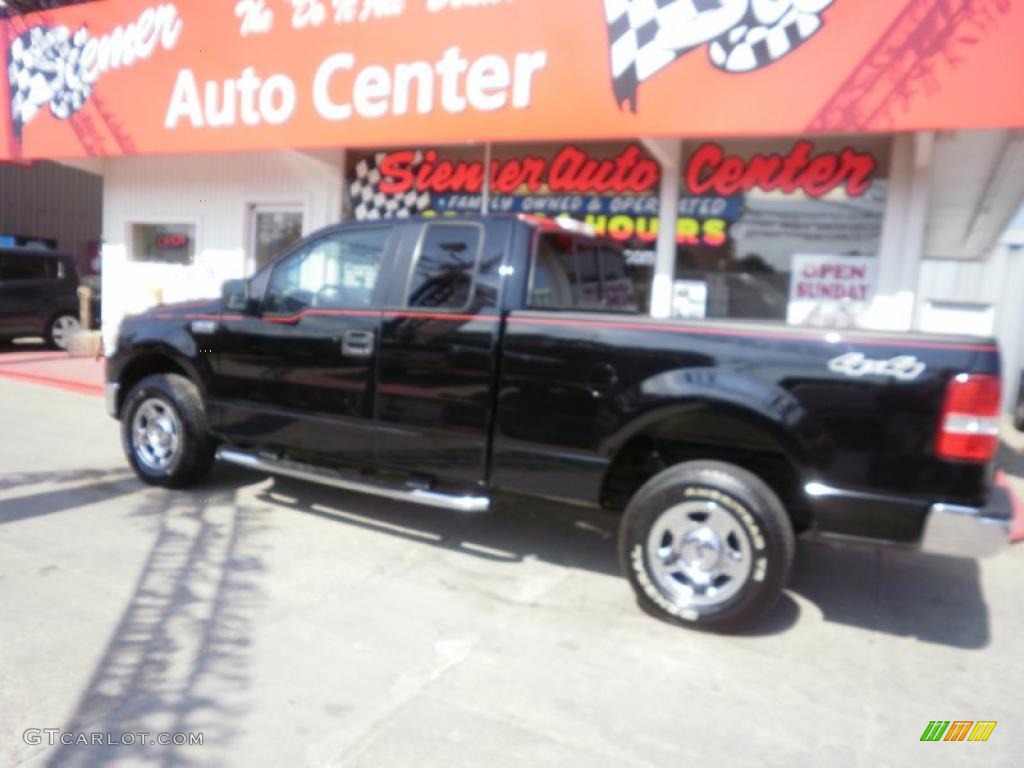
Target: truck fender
<point x="673" y="395"/>
<point x="160" y="357"/>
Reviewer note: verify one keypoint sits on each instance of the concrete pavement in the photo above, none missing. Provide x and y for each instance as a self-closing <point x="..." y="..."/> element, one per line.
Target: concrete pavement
<point x="295" y="625"/>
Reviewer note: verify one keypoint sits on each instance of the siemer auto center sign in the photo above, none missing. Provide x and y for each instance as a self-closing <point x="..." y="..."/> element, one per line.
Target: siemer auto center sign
<point x="614" y="190"/>
<point x="118" y="78"/>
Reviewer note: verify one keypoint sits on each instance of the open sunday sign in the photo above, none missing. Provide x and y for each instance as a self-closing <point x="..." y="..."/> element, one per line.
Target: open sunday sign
<point x="830" y="289"/>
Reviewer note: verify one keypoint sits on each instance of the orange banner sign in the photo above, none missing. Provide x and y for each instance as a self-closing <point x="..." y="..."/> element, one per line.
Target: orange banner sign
<point x="124" y="77"/>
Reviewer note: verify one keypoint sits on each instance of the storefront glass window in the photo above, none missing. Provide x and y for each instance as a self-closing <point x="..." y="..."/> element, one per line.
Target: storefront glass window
<point x="168" y="243"/>
<point x="785" y="230"/>
<point x="794" y="234"/>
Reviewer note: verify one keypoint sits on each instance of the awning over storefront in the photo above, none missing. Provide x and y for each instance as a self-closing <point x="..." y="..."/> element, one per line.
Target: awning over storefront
<point x="120" y="77"/>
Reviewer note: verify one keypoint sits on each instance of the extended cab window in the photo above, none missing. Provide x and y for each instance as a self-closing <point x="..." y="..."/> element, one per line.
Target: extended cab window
<point x="444" y="270"/>
<point x="574" y="273"/>
<point x="338" y="271"/>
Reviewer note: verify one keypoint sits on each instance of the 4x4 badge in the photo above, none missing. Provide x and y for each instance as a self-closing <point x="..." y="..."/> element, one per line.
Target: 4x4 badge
<point x="856" y="364"/>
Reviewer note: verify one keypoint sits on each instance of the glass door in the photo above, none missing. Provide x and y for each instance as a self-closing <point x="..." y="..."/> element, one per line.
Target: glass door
<point x="274" y="228"/>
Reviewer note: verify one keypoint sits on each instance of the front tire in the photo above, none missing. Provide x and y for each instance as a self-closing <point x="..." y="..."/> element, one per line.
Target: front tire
<point x="706" y="544"/>
<point x="164" y="432"/>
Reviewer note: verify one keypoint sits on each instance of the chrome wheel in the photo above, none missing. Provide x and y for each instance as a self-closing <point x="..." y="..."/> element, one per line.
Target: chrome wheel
<point x="62" y="327"/>
<point x="699" y="553"/>
<point x="156" y="434"/>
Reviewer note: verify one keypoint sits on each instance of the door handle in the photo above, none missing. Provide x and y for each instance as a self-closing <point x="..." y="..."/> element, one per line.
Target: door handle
<point x="357" y="343"/>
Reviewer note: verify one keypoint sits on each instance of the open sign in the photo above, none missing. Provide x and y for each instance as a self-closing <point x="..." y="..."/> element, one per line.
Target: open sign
<point x="837" y="271"/>
<point x="830" y="290"/>
<point x="172" y="241"/>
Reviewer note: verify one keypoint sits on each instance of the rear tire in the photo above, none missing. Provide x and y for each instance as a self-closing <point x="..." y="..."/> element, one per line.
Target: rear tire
<point x="707" y="545"/>
<point x="164" y="432"/>
<point x="57" y="330"/>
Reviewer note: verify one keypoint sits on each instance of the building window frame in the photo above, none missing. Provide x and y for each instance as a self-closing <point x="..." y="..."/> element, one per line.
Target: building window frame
<point x="255" y="207"/>
<point x="162" y="220"/>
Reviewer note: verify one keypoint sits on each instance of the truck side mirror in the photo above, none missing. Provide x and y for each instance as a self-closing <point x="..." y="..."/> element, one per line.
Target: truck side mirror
<point x="234" y="296"/>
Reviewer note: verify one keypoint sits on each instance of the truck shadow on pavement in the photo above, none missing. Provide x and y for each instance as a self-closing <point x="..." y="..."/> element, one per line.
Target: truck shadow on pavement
<point x="1010" y="460"/>
<point x="899" y="592"/>
<point x="935" y="599"/>
<point x="514" y="530"/>
<point x="177" y="660"/>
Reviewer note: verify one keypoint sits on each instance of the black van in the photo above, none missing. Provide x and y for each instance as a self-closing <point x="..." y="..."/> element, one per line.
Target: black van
<point x="38" y="295"/>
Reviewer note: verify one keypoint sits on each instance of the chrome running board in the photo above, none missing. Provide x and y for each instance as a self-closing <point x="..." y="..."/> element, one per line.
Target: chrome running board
<point x="459" y="503"/>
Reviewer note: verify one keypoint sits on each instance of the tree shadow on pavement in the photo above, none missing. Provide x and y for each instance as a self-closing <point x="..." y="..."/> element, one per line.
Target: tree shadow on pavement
<point x="18" y="479"/>
<point x="77" y="488"/>
<point x="177" y="659"/>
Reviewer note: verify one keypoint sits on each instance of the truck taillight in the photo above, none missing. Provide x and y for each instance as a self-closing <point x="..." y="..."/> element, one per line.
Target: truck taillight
<point x="969" y="424"/>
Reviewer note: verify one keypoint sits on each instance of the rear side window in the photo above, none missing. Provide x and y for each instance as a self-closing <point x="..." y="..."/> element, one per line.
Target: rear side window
<point x="443" y="278"/>
<point x="21" y="267"/>
<point x="577" y="274"/>
<point x="618" y="287"/>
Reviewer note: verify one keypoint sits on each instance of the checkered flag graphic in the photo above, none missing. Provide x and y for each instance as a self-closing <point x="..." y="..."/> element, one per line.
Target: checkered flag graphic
<point x="44" y="68"/>
<point x="645" y="36"/>
<point x="370" y="203"/>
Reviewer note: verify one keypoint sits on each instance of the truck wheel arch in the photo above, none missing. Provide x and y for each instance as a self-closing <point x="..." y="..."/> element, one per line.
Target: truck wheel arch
<point x="148" y="363"/>
<point x="686" y="431"/>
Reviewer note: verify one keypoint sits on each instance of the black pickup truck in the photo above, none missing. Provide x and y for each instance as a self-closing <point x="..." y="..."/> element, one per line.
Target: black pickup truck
<point x="451" y="361"/>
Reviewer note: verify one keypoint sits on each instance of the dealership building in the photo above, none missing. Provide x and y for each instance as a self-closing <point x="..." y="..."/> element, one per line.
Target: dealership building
<point x="816" y="162"/>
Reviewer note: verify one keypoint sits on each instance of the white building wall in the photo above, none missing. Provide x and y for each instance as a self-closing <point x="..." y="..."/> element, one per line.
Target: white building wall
<point x="903" y="227"/>
<point x="1009" y="324"/>
<point x="982" y="298"/>
<point x="215" y="193"/>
